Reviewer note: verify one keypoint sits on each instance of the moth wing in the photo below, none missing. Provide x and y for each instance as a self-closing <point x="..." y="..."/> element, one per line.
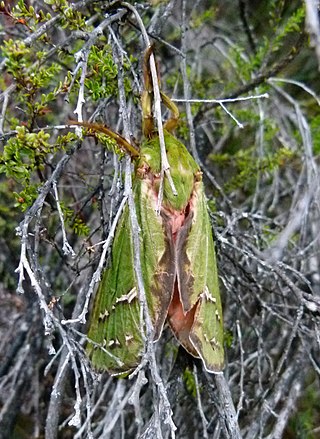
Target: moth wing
<point x="115" y="324"/>
<point x="157" y="255"/>
<point x="115" y="320"/>
<point x="198" y="284"/>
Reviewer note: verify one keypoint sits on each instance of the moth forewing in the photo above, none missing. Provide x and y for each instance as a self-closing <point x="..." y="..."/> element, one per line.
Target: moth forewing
<point x="115" y="325"/>
<point x="206" y="335"/>
<point x="198" y="284"/>
<point x="157" y="259"/>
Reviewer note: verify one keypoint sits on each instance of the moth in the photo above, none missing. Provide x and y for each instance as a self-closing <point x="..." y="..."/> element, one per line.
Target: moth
<point x="177" y="259"/>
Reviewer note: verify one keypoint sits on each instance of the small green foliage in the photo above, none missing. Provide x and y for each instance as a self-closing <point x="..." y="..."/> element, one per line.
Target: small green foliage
<point x="79" y="227"/>
<point x="26" y="197"/>
<point x="27" y="13"/>
<point x="307" y="416"/>
<point x="101" y="80"/>
<point x="246" y="67"/>
<point x="247" y="166"/>
<point x="293" y="25"/>
<point x="315" y="132"/>
<point x="33" y="77"/>
<point x="190" y="382"/>
<point x="74" y="221"/>
<point x="23" y="156"/>
<point x="109" y="143"/>
<point x="228" y="338"/>
<point x="72" y="19"/>
<point x="212" y="205"/>
<point x="18" y="57"/>
<point x="57" y="4"/>
<point x="172" y="80"/>
<point x="207" y="16"/>
<point x="9" y="218"/>
<point x="24" y="153"/>
<point x="66" y="141"/>
<point x="7" y="214"/>
<point x="183" y="129"/>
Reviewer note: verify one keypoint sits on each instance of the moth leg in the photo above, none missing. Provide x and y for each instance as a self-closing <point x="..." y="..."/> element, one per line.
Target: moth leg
<point x="121" y="141"/>
<point x="171" y="123"/>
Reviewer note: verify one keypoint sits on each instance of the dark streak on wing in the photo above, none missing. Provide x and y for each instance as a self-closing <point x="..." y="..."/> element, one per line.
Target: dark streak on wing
<point x="185" y="277"/>
<point x="164" y="279"/>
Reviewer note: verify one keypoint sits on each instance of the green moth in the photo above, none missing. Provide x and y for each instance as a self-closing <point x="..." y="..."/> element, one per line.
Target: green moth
<point x="178" y="265"/>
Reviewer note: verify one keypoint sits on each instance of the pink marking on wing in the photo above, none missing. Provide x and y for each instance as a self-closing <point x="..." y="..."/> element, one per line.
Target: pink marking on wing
<point x="181" y="322"/>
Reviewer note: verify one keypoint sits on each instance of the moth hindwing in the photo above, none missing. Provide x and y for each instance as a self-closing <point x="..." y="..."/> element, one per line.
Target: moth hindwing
<point x="178" y="266"/>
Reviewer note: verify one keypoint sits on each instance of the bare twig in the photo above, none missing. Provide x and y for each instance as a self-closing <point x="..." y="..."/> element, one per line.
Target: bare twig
<point x="202" y="415"/>
<point x="313" y="25"/>
<point x="66" y="247"/>
<point x="228" y="416"/>
<point x="241" y="390"/>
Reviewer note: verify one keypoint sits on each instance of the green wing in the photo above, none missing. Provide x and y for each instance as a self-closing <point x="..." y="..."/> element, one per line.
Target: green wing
<point x="115" y="322"/>
<point x="115" y="326"/>
<point x="199" y="287"/>
<point x="190" y="294"/>
<point x="157" y="254"/>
